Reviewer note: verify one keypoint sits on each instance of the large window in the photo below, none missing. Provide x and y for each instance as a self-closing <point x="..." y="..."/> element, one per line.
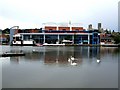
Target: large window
<point x="26" y="37"/>
<point x="51" y="39"/>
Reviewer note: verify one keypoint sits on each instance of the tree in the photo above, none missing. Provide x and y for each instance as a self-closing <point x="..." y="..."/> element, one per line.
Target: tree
<point x="6" y="31"/>
<point x="106" y="31"/>
<point x="116" y="37"/>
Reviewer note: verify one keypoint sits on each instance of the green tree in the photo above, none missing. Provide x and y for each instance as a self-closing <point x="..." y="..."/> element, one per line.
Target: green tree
<point x="116" y="37"/>
<point x="6" y="31"/>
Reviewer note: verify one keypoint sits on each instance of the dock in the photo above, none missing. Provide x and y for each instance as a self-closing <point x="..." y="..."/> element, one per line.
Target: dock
<point x="12" y="54"/>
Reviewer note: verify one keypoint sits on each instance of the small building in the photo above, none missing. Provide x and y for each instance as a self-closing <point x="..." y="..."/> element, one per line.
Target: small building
<point x="106" y="39"/>
<point x="4" y="39"/>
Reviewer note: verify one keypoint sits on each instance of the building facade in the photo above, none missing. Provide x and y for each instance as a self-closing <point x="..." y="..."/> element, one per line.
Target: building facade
<point x="58" y="35"/>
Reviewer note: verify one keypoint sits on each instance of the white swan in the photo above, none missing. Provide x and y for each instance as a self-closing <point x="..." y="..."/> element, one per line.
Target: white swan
<point x="73" y="63"/>
<point x="34" y="50"/>
<point x="98" y="61"/>
<point x="69" y="60"/>
<point x="56" y="60"/>
<point x="72" y="58"/>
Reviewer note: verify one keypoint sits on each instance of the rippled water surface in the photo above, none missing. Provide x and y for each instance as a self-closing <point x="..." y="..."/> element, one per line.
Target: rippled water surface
<point x="49" y="67"/>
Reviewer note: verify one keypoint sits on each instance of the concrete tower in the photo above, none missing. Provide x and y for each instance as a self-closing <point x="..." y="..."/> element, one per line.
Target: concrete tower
<point x="99" y="26"/>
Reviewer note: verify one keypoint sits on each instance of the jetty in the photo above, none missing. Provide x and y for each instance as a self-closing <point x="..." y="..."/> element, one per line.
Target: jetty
<point x="12" y="54"/>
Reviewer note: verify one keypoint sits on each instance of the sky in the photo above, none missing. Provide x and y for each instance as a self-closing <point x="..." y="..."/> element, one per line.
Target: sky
<point x="33" y="13"/>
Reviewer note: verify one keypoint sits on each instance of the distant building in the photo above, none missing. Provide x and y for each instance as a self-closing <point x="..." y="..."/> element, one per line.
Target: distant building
<point x="4" y="39"/>
<point x="106" y="39"/>
<point x="99" y="26"/>
<point x="90" y="27"/>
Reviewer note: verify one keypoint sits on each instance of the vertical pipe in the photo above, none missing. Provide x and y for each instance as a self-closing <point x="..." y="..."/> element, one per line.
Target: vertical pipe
<point x="88" y="52"/>
<point x="22" y="37"/>
<point x="11" y="35"/>
<point x="44" y="39"/>
<point x="88" y="38"/>
<point x="92" y="38"/>
<point x="73" y="38"/>
<point x="30" y="36"/>
<point x="81" y="40"/>
<point x="58" y="38"/>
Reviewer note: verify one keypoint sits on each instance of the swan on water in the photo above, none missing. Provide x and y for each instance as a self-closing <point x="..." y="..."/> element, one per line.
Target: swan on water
<point x="34" y="50"/>
<point x="73" y="63"/>
<point x="56" y="60"/>
<point x="69" y="60"/>
<point x="72" y="58"/>
<point x="98" y="61"/>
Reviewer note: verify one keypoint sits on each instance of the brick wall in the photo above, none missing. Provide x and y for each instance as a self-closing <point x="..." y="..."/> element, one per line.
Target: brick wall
<point x="64" y="28"/>
<point x="50" y="28"/>
<point x="77" y="28"/>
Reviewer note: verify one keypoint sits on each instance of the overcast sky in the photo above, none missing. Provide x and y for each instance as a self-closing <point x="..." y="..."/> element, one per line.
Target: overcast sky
<point x="32" y="13"/>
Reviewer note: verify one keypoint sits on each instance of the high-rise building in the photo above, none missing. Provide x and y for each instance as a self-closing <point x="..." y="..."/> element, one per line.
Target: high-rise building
<point x="90" y="27"/>
<point x="99" y="26"/>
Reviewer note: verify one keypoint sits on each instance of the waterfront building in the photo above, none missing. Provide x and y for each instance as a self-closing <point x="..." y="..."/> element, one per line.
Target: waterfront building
<point x="57" y="34"/>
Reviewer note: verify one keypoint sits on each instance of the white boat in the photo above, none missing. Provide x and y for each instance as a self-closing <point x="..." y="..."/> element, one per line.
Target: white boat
<point x="23" y="43"/>
<point x="46" y="44"/>
<point x="67" y="42"/>
<point x="18" y="42"/>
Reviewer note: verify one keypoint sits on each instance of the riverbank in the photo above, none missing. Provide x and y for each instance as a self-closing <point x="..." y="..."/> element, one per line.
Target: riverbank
<point x="90" y="45"/>
<point x="98" y="45"/>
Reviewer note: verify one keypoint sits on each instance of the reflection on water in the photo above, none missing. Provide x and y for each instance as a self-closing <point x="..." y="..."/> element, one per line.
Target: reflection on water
<point x="62" y="54"/>
<point x="57" y="60"/>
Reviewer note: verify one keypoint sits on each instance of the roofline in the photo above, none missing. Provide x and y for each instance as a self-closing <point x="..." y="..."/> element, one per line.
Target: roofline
<point x="56" y="33"/>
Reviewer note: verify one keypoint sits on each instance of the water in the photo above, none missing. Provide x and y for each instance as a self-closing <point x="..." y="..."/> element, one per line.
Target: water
<point x="48" y="67"/>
